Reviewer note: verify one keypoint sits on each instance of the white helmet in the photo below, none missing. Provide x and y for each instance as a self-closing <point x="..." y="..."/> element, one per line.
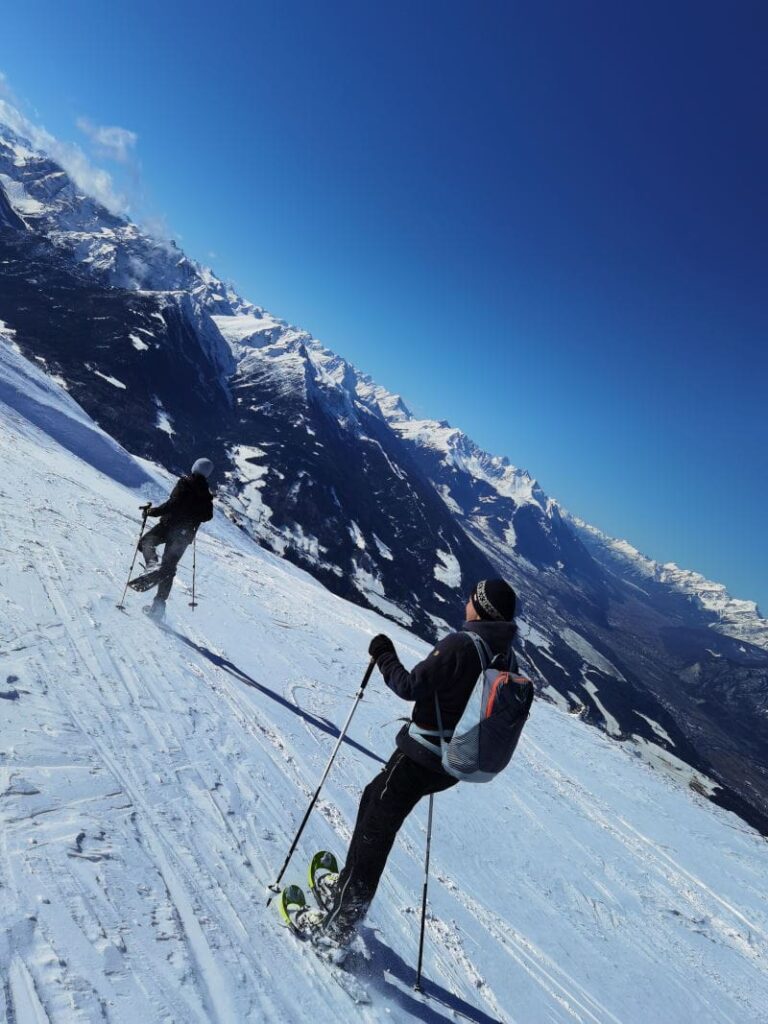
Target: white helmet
<point x="204" y="467"/>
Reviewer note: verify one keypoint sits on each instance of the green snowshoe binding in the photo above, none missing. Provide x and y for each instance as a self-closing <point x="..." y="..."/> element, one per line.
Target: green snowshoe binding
<point x="301" y="919"/>
<point x="322" y="876"/>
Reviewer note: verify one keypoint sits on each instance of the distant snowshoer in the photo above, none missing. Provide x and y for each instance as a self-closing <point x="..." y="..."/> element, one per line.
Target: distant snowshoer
<point x="189" y="505"/>
<point x="441" y="687"/>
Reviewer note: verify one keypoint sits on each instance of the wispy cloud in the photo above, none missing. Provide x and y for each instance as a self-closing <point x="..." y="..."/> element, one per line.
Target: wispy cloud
<point x="5" y="89"/>
<point x="116" y="143"/>
<point x="110" y="141"/>
<point x="93" y="180"/>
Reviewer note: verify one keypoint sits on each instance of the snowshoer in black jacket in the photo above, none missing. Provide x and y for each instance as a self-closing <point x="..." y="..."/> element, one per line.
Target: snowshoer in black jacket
<point x="189" y="505"/>
<point x="415" y="768"/>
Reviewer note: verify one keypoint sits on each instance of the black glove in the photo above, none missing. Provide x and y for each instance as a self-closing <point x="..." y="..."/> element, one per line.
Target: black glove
<point x="145" y="508"/>
<point x="380" y="645"/>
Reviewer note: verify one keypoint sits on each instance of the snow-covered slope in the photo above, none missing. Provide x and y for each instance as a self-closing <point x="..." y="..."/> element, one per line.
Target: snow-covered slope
<point x="150" y="782"/>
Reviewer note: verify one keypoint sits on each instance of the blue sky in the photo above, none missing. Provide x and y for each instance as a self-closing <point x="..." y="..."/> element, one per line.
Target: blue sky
<point x="546" y="223"/>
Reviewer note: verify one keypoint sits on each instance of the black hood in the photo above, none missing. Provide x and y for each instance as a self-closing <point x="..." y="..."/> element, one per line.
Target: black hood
<point x="199" y="482"/>
<point x="498" y="635"/>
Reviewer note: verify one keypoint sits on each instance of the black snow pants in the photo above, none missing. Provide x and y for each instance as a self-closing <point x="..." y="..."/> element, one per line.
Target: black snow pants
<point x="385" y="804"/>
<point x="176" y="538"/>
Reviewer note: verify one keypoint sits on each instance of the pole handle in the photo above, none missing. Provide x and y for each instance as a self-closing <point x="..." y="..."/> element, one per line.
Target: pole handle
<point x="368" y="674"/>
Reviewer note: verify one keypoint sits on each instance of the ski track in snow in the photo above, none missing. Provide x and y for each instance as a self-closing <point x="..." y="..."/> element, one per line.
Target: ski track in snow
<point x="151" y="780"/>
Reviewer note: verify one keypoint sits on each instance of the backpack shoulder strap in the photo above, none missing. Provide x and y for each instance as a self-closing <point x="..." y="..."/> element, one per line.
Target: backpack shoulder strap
<point x="481" y="647"/>
<point x="485" y="657"/>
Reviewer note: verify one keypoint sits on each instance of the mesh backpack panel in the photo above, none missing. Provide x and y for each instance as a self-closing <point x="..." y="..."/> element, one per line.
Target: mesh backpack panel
<point x="488" y="731"/>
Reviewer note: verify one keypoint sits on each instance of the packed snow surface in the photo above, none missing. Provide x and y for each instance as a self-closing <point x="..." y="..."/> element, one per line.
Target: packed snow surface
<point x="19" y="198"/>
<point x="111" y="380"/>
<point x="448" y="570"/>
<point x="151" y="781"/>
<point x="590" y="655"/>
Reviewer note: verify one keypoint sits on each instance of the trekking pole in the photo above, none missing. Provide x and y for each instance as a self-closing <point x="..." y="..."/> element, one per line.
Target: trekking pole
<point x="193" y="602"/>
<point x="275" y="887"/>
<point x="417" y="986"/>
<point x="144" y="510"/>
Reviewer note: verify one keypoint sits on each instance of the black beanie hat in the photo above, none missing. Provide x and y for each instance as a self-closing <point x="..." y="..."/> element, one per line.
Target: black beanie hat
<point x="494" y="599"/>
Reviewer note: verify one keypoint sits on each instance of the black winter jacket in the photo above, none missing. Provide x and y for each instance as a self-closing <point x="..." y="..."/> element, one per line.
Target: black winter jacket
<point x="450" y="671"/>
<point x="189" y="504"/>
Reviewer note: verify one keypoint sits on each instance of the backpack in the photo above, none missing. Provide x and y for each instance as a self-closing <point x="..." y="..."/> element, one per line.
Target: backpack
<point x="197" y="501"/>
<point x="488" y="731"/>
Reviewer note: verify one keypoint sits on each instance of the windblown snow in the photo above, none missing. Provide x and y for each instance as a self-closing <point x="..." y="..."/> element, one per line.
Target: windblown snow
<point x="151" y="781"/>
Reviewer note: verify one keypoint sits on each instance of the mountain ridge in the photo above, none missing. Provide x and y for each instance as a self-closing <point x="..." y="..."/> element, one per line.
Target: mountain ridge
<point x="335" y="473"/>
<point x="172" y="271"/>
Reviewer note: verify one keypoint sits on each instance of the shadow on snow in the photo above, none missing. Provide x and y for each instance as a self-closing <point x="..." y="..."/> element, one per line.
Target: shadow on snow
<point x="228" y="666"/>
<point x="385" y="961"/>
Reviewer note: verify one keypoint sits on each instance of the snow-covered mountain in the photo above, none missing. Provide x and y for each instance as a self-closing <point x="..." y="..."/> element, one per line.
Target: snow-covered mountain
<point x="733" y="616"/>
<point x="151" y="781"/>
<point x="398" y="514"/>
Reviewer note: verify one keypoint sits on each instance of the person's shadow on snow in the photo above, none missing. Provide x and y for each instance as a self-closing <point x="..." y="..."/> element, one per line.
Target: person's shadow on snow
<point x="385" y="960"/>
<point x="228" y="666"/>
